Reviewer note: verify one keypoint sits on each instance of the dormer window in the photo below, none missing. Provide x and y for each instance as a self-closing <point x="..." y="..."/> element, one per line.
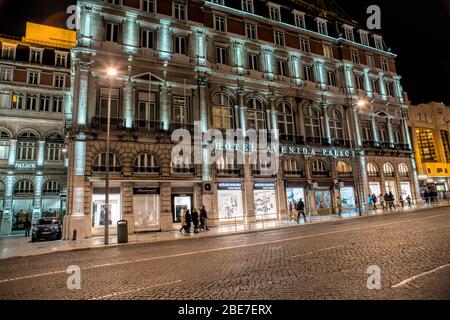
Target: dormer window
<point x="61" y="59"/>
<point x="349" y="33"/>
<point x="322" y="26"/>
<point x="364" y="35"/>
<point x="247" y="6"/>
<point x="299" y="18"/>
<point x="274" y="10"/>
<point x="8" y="51"/>
<point x="378" y="42"/>
<point x="36" y="55"/>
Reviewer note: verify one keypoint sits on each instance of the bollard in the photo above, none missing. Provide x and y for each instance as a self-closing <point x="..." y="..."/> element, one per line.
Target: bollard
<point x="74" y="235"/>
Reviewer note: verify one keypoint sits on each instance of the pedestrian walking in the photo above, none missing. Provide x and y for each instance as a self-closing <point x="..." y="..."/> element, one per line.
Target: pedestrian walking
<point x="301" y="210"/>
<point x="374" y="201"/>
<point x="409" y="200"/>
<point x="183" y="221"/>
<point x="188" y="221"/>
<point x="382" y="202"/>
<point x="195" y="220"/>
<point x="392" y="201"/>
<point x="27" y="226"/>
<point x="203" y="219"/>
<point x="402" y="202"/>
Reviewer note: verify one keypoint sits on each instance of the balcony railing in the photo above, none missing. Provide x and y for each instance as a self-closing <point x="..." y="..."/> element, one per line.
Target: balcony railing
<point x="297" y="173"/>
<point x="340" y="143"/>
<point x="402" y="146"/>
<point x="154" y="170"/>
<point x="183" y="170"/>
<point x="102" y="169"/>
<point x="373" y="174"/>
<point x="263" y="172"/>
<point x="102" y="123"/>
<point x="315" y="140"/>
<point x="321" y="174"/>
<point x="229" y="172"/>
<point x="389" y="174"/>
<point x="371" y="144"/>
<point x="186" y="126"/>
<point x="290" y="138"/>
<point x="148" y="125"/>
<point x="387" y="145"/>
<point x="345" y="174"/>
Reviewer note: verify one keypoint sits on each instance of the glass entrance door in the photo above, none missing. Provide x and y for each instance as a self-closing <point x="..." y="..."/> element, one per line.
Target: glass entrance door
<point x="180" y="205"/>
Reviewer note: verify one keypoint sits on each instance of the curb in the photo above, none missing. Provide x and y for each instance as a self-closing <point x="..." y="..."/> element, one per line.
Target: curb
<point x="212" y="236"/>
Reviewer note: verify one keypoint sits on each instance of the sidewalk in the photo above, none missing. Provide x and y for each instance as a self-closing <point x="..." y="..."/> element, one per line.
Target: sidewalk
<point x="18" y="245"/>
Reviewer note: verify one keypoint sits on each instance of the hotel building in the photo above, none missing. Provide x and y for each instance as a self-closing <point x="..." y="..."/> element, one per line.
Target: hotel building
<point x="328" y="86"/>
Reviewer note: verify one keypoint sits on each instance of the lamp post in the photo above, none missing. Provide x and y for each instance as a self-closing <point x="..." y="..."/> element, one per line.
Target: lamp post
<point x="111" y="72"/>
<point x="360" y="103"/>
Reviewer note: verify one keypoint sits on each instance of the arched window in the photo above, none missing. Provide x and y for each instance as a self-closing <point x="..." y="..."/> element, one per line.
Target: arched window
<point x="99" y="164"/>
<point x="223" y="112"/>
<point x="319" y="169"/>
<point x="182" y="164"/>
<point x="336" y="125"/>
<point x="227" y="165"/>
<point x="343" y="168"/>
<point x="4" y="134"/>
<point x="263" y="167"/>
<point x="312" y="123"/>
<point x="52" y="187"/>
<point x="403" y="170"/>
<point x="54" y="144"/>
<point x="388" y="170"/>
<point x="285" y="121"/>
<point x="291" y="167"/>
<point x="146" y="163"/>
<point x="24" y="187"/>
<point x="372" y="170"/>
<point x="4" y="143"/>
<point x="27" y="148"/>
<point x="256" y="115"/>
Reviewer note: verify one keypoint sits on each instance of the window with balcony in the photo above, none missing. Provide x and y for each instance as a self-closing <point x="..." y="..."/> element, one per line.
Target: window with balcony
<point x="99" y="164"/>
<point x="58" y="80"/>
<point x="359" y="79"/>
<point x="308" y="73"/>
<point x="54" y="145"/>
<point x="426" y="145"/>
<point x="147" y="39"/>
<point x="349" y="33"/>
<point x="57" y="104"/>
<point x="375" y="85"/>
<point x="312" y="124"/>
<point x="382" y="132"/>
<point x="322" y="26"/>
<point x="146" y="163"/>
<point x="331" y="77"/>
<point x="256" y="114"/>
<point x="390" y="88"/>
<point x="282" y="68"/>
<point x="378" y="42"/>
<point x="112" y="32"/>
<point x="44" y="103"/>
<point x="180" y="45"/>
<point x="299" y="19"/>
<point x="251" y="31"/>
<point x="103" y="105"/>
<point x="31" y="102"/>
<point x="8" y="51"/>
<point x="146" y="110"/>
<point x="370" y="61"/>
<point x="336" y="126"/>
<point x="221" y="55"/>
<point x="364" y="37"/>
<point x="286" y="121"/>
<point x="33" y="77"/>
<point x="223" y="111"/>
<point x="27" y="146"/>
<point x="6" y="74"/>
<point x="181" y="110"/>
<point x="253" y="62"/>
<point x="61" y="59"/>
<point x="384" y="64"/>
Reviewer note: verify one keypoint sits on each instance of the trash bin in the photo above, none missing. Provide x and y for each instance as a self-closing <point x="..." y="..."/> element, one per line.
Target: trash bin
<point x="122" y="231"/>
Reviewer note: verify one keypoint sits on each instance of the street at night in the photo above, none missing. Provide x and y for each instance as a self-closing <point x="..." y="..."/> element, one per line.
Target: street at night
<point x="323" y="261"/>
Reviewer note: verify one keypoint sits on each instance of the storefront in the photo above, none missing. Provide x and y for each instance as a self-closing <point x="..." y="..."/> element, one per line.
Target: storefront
<point x="374" y="188"/>
<point x="22" y="209"/>
<point x="323" y="200"/>
<point x="265" y="200"/>
<point x="390" y="186"/>
<point x="51" y="206"/>
<point x="98" y="207"/>
<point x="182" y="200"/>
<point x="293" y="195"/>
<point x="405" y="188"/>
<point x="146" y="204"/>
<point x="230" y="201"/>
<point x="347" y="195"/>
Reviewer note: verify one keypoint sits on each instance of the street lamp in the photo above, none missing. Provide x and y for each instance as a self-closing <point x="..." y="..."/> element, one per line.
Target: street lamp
<point x="360" y="103"/>
<point x="111" y="72"/>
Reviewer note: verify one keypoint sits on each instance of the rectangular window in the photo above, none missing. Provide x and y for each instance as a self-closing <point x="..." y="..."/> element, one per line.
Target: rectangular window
<point x="300" y="20"/>
<point x="53" y="151"/>
<point x="349" y="34"/>
<point x="446" y="145"/>
<point x="35" y="55"/>
<point x="5" y="100"/>
<point x="220" y="23"/>
<point x="274" y="12"/>
<point x="4" y="151"/>
<point x="115" y="2"/>
<point x="6" y="74"/>
<point x="18" y="101"/>
<point x="179" y="11"/>
<point x="375" y="85"/>
<point x="328" y="52"/>
<point x="44" y="104"/>
<point x="378" y="42"/>
<point x="331" y="76"/>
<point x="384" y="64"/>
<point x="181" y="107"/>
<point x="57" y="104"/>
<point x="250" y="31"/>
<point x="304" y="44"/>
<point x="148" y="6"/>
<point x="390" y="88"/>
<point x="221" y="55"/>
<point x="180" y="45"/>
<point x="102" y="111"/>
<point x="146" y="109"/>
<point x="359" y="82"/>
<point x="308" y="73"/>
<point x="112" y="32"/>
<point x="247" y="6"/>
<point x="364" y="38"/>
<point x="253" y="62"/>
<point x="32" y="101"/>
<point x="370" y="61"/>
<point x="58" y="81"/>
<point x="354" y="55"/>
<point x="33" y="77"/>
<point x="147" y="39"/>
<point x="61" y="59"/>
<point x="282" y="68"/>
<point x="426" y="145"/>
<point x="279" y="38"/>
<point x="322" y="26"/>
<point x="8" y="51"/>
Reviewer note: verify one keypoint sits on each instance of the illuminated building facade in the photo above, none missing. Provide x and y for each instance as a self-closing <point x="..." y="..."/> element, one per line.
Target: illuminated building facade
<point x="240" y="65"/>
<point x="430" y="126"/>
<point x="34" y="100"/>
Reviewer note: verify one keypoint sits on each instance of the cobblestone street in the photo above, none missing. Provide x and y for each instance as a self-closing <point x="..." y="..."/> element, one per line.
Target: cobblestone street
<point x="323" y="261"/>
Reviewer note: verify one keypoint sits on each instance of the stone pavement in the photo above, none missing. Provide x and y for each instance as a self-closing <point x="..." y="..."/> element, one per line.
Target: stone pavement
<point x="18" y="245"/>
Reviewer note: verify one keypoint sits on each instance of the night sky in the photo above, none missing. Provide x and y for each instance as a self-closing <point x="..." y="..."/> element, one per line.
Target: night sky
<point x="418" y="31"/>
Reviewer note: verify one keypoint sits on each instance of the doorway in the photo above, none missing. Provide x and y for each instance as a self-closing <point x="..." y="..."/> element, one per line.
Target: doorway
<point x="179" y="204"/>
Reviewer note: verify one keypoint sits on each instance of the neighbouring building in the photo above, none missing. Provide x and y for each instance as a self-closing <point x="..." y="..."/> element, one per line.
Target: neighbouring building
<point x="34" y="100"/>
<point x="248" y="64"/>
<point x="430" y="128"/>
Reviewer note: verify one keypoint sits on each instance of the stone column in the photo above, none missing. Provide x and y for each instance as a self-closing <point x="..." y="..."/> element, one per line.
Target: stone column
<point x="128" y="105"/>
<point x="126" y="197"/>
<point x="83" y="87"/>
<point x="273" y="116"/>
<point x="249" y="195"/>
<point x="398" y="89"/>
<point x="236" y="117"/>
<point x="326" y="122"/>
<point x="301" y="117"/>
<point x="6" y="223"/>
<point x="405" y="126"/>
<point x="37" y="201"/>
<point x="320" y="73"/>
<point x="164" y="41"/>
<point x="166" y="216"/>
<point x="40" y="154"/>
<point x="267" y="62"/>
<point x="130" y="37"/>
<point x="349" y="78"/>
<point x="363" y="181"/>
<point x="282" y="201"/>
<point x="390" y="132"/>
<point x="368" y="83"/>
<point x="357" y="126"/>
<point x="383" y="93"/>
<point x="238" y="59"/>
<point x="242" y="109"/>
<point x="12" y="153"/>
<point x="198" y="46"/>
<point x="374" y="124"/>
<point x="203" y="101"/>
<point x="164" y="106"/>
<point x="415" y="180"/>
<point x="295" y="68"/>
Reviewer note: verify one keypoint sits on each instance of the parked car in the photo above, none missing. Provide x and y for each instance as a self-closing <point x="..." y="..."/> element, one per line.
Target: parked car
<point x="46" y="229"/>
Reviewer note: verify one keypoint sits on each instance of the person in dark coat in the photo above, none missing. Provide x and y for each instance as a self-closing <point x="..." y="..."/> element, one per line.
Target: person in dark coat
<point x="195" y="220"/>
<point x="203" y="219"/>
<point x="188" y="221"/>
<point x="27" y="226"/>
<point x="300" y="210"/>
